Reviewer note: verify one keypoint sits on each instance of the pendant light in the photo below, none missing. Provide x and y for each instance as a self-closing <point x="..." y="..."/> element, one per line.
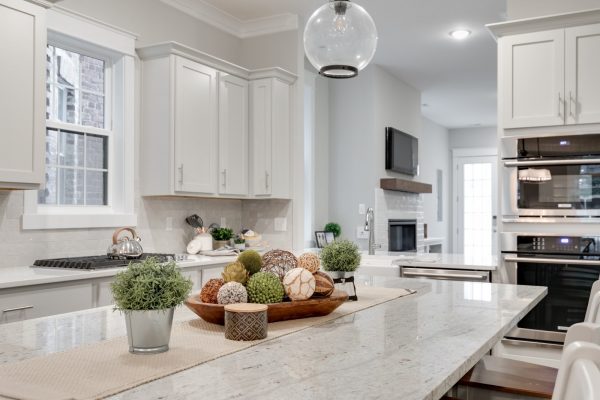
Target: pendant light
<point x="340" y="39"/>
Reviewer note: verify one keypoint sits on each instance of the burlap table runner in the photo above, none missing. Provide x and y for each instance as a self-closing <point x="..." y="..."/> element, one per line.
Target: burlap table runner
<point x="102" y="369"/>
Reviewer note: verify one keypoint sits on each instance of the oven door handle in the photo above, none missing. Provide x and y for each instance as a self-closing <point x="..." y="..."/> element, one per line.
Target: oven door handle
<point x="533" y="260"/>
<point x="532" y="163"/>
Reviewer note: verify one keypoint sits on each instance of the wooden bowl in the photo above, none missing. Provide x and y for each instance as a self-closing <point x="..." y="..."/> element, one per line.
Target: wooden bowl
<point x="314" y="307"/>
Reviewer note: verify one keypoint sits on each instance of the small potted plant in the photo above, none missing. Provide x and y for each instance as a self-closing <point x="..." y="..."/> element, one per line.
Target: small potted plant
<point x="221" y="237"/>
<point x="340" y="258"/>
<point x="147" y="293"/>
<point x="334" y="228"/>
<point x="240" y="243"/>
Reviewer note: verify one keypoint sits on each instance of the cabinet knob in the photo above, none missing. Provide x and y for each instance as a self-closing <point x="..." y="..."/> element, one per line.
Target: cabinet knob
<point x="224" y="177"/>
<point x="266" y="179"/>
<point x="181" y="174"/>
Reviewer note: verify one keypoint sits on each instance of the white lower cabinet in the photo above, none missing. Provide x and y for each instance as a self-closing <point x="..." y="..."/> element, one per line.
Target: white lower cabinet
<point x="17" y="304"/>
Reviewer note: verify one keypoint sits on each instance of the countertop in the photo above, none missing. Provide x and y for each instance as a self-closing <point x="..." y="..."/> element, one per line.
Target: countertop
<point x="384" y="261"/>
<point x="26" y="276"/>
<point x="411" y="348"/>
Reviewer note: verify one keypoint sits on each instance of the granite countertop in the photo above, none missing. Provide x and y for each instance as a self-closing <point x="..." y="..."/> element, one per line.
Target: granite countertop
<point x="26" y="276"/>
<point x="415" y="347"/>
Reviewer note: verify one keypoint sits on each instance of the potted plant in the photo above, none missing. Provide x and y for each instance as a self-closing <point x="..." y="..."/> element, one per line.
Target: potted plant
<point x="334" y="228"/>
<point x="147" y="293"/>
<point x="221" y="237"/>
<point x="240" y="243"/>
<point x="340" y="258"/>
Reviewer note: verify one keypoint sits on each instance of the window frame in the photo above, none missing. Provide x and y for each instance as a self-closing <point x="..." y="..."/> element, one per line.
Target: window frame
<point x="73" y="32"/>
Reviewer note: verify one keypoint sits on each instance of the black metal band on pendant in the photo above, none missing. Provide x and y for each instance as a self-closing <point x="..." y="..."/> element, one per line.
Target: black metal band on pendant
<point x="326" y="68"/>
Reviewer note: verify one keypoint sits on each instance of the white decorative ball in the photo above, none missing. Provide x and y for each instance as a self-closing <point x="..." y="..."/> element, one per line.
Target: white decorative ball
<point x="299" y="284"/>
<point x="232" y="293"/>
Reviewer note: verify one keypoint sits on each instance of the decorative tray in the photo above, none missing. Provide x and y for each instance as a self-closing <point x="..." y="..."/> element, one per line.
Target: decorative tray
<point x="314" y="307"/>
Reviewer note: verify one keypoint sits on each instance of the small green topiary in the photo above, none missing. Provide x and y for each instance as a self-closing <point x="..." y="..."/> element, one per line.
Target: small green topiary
<point x="340" y="256"/>
<point x="265" y="288"/>
<point x="150" y="285"/>
<point x="251" y="260"/>
<point x="334" y="228"/>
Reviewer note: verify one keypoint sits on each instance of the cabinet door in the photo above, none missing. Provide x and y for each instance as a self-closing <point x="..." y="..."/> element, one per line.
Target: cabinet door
<point x="22" y="104"/>
<point x="195" y="127"/>
<point x="233" y="135"/>
<point x="261" y="142"/>
<point x="533" y="79"/>
<point x="583" y="74"/>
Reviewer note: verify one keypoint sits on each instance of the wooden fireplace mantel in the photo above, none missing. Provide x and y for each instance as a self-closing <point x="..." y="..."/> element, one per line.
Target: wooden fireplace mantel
<point x="403" y="185"/>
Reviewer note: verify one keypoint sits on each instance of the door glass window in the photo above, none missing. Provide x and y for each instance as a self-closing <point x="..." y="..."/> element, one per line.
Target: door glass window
<point x="477" y="209"/>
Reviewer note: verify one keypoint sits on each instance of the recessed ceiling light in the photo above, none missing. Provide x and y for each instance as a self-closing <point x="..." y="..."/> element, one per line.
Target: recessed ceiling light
<point x="460" y="34"/>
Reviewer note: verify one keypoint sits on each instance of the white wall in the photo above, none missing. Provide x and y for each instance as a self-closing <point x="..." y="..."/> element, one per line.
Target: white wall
<point x="518" y="9"/>
<point x="480" y="137"/>
<point x="278" y="49"/>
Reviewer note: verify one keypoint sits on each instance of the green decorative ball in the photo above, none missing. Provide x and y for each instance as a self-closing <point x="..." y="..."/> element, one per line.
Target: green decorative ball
<point x="251" y="260"/>
<point x="265" y="288"/>
<point x="341" y="255"/>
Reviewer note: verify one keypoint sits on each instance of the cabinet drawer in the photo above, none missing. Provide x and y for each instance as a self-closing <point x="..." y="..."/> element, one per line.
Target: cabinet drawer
<point x="32" y="302"/>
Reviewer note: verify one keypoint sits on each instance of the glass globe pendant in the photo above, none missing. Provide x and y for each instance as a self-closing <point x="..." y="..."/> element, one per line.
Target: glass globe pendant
<point x="340" y="39"/>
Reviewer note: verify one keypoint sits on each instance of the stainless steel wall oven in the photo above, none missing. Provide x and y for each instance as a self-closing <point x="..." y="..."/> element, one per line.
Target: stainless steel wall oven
<point x="551" y="176"/>
<point x="567" y="265"/>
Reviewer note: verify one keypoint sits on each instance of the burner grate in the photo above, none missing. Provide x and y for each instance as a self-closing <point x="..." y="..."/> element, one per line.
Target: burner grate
<point x="98" y="262"/>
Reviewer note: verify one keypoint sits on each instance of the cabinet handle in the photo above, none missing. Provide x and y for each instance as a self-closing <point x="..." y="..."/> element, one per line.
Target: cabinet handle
<point x="17" y="309"/>
<point x="266" y="179"/>
<point x="572" y="102"/>
<point x="224" y="177"/>
<point x="560" y="106"/>
<point x="181" y="174"/>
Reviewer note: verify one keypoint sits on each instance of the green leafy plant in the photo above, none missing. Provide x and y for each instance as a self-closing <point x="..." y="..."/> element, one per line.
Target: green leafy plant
<point x="342" y="255"/>
<point x="239" y="240"/>
<point x="150" y="285"/>
<point x="334" y="228"/>
<point x="220" y="234"/>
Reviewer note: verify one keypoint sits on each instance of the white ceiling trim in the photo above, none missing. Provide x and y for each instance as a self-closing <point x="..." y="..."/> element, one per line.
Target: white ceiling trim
<point x="226" y="22"/>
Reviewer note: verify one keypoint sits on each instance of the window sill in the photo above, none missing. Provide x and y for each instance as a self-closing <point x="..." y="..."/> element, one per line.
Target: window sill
<point x="58" y="221"/>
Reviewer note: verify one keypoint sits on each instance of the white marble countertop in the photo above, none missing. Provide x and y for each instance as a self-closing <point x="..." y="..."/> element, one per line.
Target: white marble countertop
<point x="27" y="276"/>
<point x="384" y="261"/>
<point x="411" y="348"/>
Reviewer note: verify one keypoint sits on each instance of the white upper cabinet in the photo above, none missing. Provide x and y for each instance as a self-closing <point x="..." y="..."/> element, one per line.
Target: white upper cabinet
<point x="195" y="127"/>
<point x="583" y="74"/>
<point x="233" y="135"/>
<point x="22" y="104"/>
<point x="270" y="162"/>
<point x="533" y="79"/>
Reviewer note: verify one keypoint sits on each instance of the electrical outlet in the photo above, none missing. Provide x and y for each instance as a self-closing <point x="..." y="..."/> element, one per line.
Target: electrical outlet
<point x="223" y="222"/>
<point x="280" y="225"/>
<point x="169" y="224"/>
<point x="361" y="233"/>
<point x="361" y="209"/>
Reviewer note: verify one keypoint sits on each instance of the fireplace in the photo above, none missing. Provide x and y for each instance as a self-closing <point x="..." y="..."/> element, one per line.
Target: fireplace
<point x="402" y="235"/>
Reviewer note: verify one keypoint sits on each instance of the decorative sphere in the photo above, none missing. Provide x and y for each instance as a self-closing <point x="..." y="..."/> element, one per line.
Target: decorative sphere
<point x="265" y="288"/>
<point x="209" y="292"/>
<point x="309" y="261"/>
<point x="279" y="262"/>
<point x="251" y="260"/>
<point x="324" y="285"/>
<point x="299" y="284"/>
<point x="231" y="293"/>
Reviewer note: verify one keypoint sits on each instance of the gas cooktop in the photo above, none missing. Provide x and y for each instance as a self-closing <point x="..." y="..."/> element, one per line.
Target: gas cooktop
<point x="98" y="262"/>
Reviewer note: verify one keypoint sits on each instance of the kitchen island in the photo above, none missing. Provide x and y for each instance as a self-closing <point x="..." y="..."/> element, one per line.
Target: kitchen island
<point x="415" y="347"/>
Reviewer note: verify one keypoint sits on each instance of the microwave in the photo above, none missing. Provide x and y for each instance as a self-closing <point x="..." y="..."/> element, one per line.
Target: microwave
<point x="551" y="176"/>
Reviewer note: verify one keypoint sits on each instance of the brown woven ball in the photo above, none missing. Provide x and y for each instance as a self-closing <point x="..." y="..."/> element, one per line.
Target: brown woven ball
<point x="324" y="285"/>
<point x="279" y="262"/>
<point x="309" y="261"/>
<point x="209" y="292"/>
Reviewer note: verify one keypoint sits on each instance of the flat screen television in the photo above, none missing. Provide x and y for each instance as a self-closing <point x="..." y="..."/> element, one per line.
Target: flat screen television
<point x="401" y="152"/>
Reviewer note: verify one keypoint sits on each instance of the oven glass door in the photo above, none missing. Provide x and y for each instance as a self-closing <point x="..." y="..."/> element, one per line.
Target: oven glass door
<point x="569" y="289"/>
<point x="559" y="187"/>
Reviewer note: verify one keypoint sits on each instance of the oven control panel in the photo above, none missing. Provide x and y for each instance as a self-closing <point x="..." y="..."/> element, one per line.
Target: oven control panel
<point x="557" y="244"/>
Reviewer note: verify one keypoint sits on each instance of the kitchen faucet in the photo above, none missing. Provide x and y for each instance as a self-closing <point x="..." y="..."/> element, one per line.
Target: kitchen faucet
<point x="370" y="220"/>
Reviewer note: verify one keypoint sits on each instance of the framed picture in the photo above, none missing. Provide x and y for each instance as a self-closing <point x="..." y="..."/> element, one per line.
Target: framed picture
<point x="321" y="239"/>
<point x="329" y="237"/>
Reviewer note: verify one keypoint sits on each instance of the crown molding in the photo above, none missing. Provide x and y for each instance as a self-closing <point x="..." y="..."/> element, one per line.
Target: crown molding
<point x="558" y="21"/>
<point x="226" y="22"/>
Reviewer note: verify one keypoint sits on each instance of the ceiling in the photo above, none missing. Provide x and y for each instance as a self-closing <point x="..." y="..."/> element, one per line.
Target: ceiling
<point x="457" y="79"/>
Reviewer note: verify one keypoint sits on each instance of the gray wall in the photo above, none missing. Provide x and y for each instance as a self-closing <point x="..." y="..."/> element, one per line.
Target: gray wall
<point x="518" y="9"/>
<point x="474" y="137"/>
<point x="278" y="49"/>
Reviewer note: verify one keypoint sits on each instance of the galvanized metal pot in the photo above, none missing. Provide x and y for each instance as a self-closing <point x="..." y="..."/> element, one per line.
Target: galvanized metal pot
<point x="149" y="332"/>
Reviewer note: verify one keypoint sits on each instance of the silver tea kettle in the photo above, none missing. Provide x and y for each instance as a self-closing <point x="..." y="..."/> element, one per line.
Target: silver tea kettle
<point x="125" y="247"/>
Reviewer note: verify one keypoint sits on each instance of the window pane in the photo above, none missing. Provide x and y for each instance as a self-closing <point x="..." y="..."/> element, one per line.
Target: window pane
<point x="71" y="149"/>
<point x="51" y="146"/>
<point x="97" y="152"/>
<point x="92" y="110"/>
<point x="92" y="74"/>
<point x="67" y="68"/>
<point x="96" y="188"/>
<point x="70" y="190"/>
<point x="48" y="195"/>
<point x="62" y="104"/>
<point x="50" y="64"/>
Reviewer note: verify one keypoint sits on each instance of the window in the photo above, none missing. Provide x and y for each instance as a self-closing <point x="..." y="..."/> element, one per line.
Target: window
<point x="77" y="141"/>
<point x="90" y="108"/>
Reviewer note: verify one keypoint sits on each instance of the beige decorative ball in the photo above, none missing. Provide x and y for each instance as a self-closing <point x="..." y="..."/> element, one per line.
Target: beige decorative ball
<point x="299" y="284"/>
<point x="279" y="262"/>
<point x="309" y="261"/>
<point x="324" y="285"/>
